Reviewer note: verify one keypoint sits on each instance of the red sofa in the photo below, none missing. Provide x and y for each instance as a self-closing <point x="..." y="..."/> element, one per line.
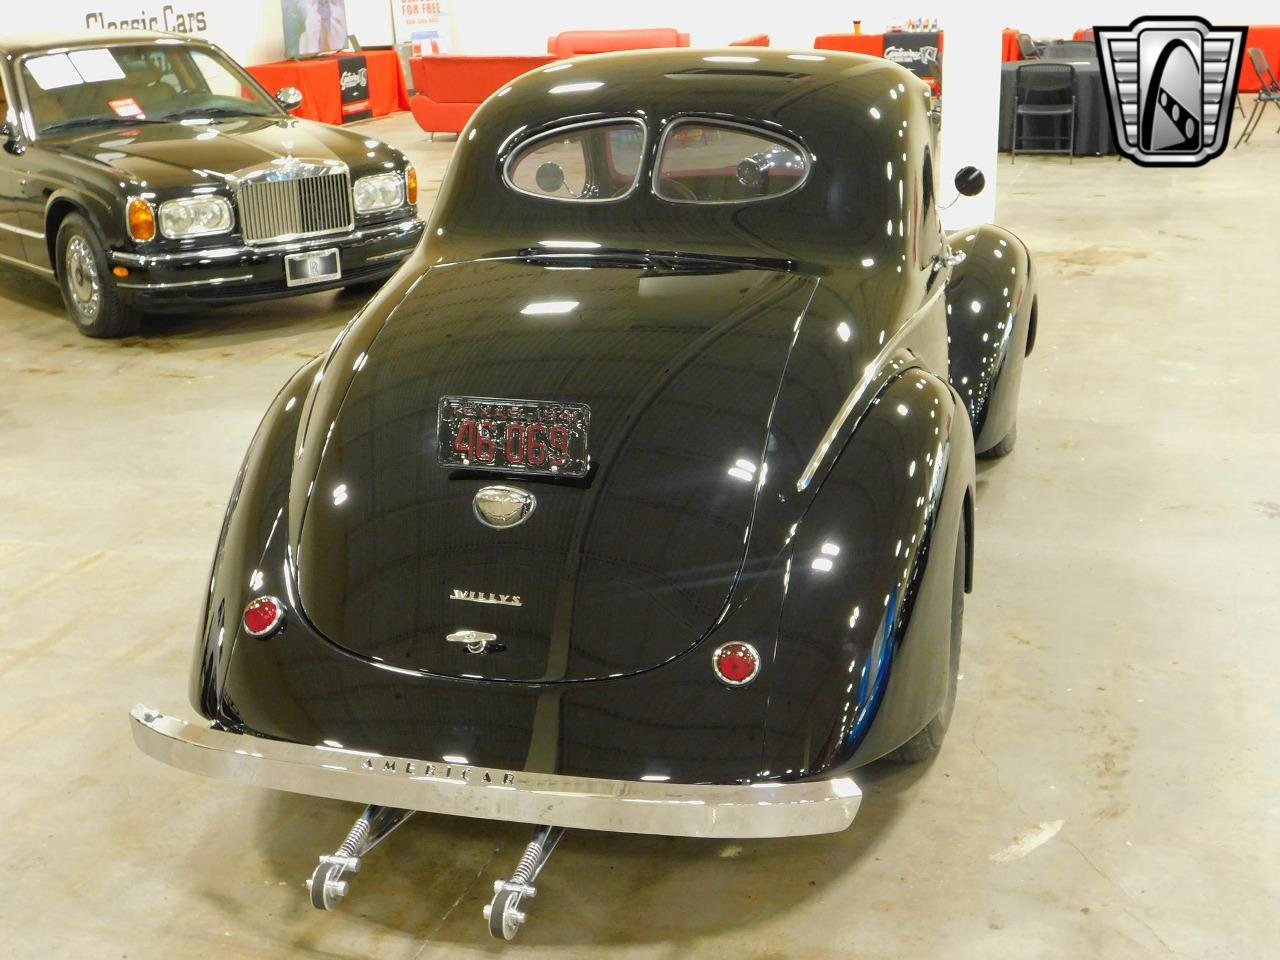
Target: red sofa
<point x="573" y="43"/>
<point x="755" y="40"/>
<point x="449" y="88"/>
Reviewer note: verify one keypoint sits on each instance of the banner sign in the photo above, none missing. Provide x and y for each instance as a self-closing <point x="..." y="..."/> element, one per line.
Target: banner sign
<point x="353" y="80"/>
<point x="427" y="24"/>
<point x="915" y="51"/>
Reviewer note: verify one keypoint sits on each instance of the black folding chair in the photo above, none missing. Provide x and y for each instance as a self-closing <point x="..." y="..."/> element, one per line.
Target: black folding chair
<point x="1045" y="91"/>
<point x="1268" y="92"/>
<point x="1027" y="47"/>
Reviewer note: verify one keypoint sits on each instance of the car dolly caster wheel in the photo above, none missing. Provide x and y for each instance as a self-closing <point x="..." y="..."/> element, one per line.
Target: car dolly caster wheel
<point x="503" y="912"/>
<point x="325" y="885"/>
<point x="325" y="888"/>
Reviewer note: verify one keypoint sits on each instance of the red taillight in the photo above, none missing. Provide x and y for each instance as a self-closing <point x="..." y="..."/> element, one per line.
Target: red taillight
<point x="262" y="616"/>
<point x="736" y="663"/>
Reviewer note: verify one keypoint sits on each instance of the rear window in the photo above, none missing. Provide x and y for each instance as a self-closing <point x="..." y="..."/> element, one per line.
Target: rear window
<point x="582" y="163"/>
<point x="707" y="162"/>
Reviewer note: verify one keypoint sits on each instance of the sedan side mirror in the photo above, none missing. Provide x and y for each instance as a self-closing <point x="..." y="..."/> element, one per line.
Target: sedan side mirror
<point x="9" y="137"/>
<point x="289" y="97"/>
<point x="970" y="181"/>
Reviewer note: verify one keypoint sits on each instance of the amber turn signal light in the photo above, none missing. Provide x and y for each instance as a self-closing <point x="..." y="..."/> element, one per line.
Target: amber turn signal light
<point x="142" y="219"/>
<point x="411" y="184"/>
<point x="736" y="664"/>
<point x="263" y="616"/>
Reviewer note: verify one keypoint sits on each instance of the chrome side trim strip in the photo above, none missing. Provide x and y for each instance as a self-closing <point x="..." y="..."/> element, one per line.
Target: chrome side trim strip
<point x="768" y="809"/>
<point x="402" y="252"/>
<point x="27" y="264"/>
<point x="213" y="281"/>
<point x="33" y="234"/>
<point x="222" y="253"/>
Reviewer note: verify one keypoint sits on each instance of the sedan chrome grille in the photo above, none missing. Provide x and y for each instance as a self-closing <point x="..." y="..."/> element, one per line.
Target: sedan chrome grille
<point x="300" y="206"/>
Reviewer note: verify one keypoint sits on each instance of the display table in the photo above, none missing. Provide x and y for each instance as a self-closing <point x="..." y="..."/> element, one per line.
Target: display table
<point x="1009" y="49"/>
<point x="873" y="44"/>
<point x="317" y="78"/>
<point x="1093" y="122"/>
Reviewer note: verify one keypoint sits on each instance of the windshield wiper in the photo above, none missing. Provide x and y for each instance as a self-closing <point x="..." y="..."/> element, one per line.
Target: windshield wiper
<point x="191" y="113"/>
<point x="70" y="122"/>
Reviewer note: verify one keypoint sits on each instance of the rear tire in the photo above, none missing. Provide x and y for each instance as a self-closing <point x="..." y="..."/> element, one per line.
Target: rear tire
<point x="1003" y="448"/>
<point x="88" y="288"/>
<point x="928" y="741"/>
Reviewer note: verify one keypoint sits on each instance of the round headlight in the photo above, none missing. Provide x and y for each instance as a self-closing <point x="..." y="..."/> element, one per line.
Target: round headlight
<point x="195" y="216"/>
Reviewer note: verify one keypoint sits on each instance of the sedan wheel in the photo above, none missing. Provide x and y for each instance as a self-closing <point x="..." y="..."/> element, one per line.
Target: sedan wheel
<point x="88" y="289"/>
<point x="82" y="280"/>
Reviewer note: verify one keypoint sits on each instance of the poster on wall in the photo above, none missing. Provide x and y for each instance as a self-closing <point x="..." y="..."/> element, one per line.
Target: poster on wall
<point x="313" y="27"/>
<point x="353" y="80"/>
<point x="426" y="24"/>
<point x="913" y="50"/>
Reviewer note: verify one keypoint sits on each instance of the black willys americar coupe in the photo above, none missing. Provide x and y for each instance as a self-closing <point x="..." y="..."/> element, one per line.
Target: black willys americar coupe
<point x="148" y="172"/>
<point x="641" y="498"/>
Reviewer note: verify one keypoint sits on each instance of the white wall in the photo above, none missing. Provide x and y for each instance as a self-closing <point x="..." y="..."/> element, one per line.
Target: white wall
<point x="518" y="26"/>
<point x="249" y="30"/>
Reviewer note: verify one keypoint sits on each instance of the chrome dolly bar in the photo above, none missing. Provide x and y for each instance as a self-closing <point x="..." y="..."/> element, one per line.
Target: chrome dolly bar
<point x="325" y="885"/>
<point x="503" y="912"/>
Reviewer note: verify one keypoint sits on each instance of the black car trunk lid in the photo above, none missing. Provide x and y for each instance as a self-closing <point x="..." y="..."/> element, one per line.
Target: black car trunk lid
<point x="612" y="573"/>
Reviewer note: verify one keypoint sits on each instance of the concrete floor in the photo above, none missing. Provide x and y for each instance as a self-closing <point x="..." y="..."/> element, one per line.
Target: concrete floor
<point x="1108" y="785"/>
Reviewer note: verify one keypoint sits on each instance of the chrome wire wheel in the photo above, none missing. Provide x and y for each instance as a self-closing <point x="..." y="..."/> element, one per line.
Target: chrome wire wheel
<point x="82" y="280"/>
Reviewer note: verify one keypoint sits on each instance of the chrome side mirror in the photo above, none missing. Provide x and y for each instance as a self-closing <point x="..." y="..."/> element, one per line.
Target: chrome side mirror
<point x="289" y="97"/>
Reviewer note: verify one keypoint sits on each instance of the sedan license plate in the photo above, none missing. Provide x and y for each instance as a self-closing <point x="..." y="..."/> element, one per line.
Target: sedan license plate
<point x="314" y="266"/>
<point x="521" y="436"/>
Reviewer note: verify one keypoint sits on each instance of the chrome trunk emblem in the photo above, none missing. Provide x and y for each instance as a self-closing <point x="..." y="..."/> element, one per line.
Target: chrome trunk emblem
<point x="501" y="507"/>
<point x="477" y="641"/>
<point x="480" y="596"/>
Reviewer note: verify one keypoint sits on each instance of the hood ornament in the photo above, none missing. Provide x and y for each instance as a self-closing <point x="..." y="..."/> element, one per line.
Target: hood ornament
<point x="501" y="507"/>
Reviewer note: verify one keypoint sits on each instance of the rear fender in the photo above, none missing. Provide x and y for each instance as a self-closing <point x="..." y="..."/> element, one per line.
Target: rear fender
<point x="257" y="509"/>
<point x="861" y="660"/>
<point x="991" y="307"/>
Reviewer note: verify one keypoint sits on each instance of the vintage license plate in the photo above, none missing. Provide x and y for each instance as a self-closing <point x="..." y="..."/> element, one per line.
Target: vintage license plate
<point x="314" y="266"/>
<point x="520" y="436"/>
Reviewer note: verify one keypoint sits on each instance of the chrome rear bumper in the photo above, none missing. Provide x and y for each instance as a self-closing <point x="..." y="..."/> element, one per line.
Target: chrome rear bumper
<point x="626" y="806"/>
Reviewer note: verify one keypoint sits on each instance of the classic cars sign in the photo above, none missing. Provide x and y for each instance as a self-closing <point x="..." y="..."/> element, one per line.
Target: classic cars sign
<point x="167" y="18"/>
<point x="353" y="81"/>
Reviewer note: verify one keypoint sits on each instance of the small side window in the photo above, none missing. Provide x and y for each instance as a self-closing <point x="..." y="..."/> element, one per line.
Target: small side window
<point x="581" y="163"/>
<point x="708" y="162"/>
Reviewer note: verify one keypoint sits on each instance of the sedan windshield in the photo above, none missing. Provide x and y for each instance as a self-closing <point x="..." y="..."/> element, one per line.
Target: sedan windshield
<point x="140" y="82"/>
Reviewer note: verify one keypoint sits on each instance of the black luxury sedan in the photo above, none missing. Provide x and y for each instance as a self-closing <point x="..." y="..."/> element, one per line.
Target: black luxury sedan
<point x="147" y="172"/>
